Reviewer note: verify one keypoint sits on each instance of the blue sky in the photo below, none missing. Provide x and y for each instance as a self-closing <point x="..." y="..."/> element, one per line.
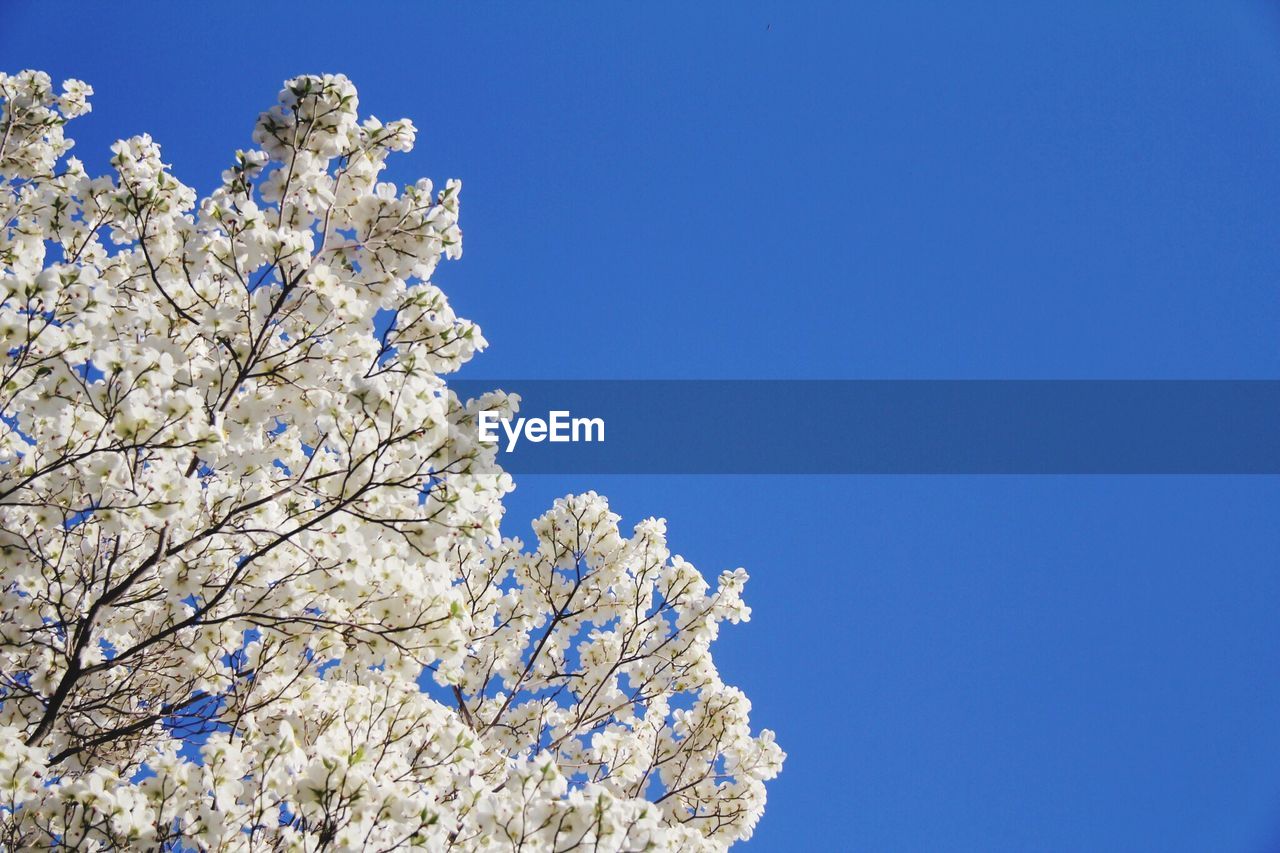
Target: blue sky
<point x="871" y="190"/>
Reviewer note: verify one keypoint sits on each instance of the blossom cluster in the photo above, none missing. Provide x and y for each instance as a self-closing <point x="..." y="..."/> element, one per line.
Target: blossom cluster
<point x="254" y="594"/>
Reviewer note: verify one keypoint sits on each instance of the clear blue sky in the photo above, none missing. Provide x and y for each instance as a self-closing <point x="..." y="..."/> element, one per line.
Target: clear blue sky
<point x="873" y="190"/>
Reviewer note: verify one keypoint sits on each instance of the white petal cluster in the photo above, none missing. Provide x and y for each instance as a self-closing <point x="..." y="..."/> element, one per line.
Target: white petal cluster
<point x="253" y="591"/>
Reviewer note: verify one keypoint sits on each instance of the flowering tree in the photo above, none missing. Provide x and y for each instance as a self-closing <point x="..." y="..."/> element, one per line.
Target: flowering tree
<point x="253" y="594"/>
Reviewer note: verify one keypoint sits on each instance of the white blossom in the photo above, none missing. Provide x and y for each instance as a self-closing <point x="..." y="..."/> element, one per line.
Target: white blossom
<point x="253" y="589"/>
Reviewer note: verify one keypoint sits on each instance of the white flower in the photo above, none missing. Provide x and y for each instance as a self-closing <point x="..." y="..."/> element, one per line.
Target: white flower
<point x="234" y="505"/>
